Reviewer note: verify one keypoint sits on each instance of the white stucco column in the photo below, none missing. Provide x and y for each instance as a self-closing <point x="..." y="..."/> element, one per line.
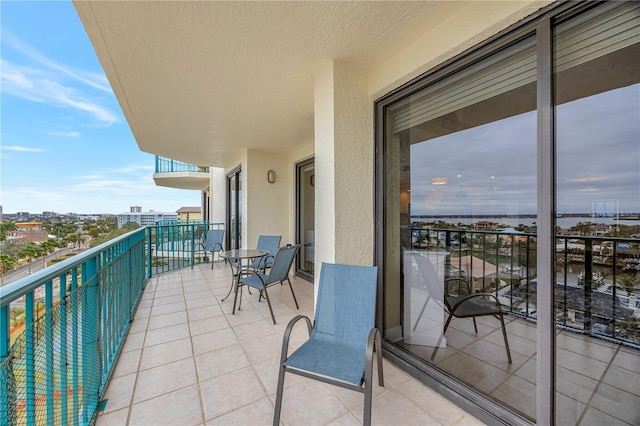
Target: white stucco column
<point x="344" y="150"/>
<point x="217" y="194"/>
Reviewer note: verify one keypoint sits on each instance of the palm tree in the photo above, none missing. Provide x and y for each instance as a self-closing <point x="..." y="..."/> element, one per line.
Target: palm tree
<point x="48" y="246"/>
<point x="7" y="263"/>
<point x="628" y="282"/>
<point x="6" y="228"/>
<point x="31" y="251"/>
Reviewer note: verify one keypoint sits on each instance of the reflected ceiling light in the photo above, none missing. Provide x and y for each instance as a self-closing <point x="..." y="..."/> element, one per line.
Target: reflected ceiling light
<point x="586" y="179"/>
<point x="588" y="189"/>
<point x="439" y="181"/>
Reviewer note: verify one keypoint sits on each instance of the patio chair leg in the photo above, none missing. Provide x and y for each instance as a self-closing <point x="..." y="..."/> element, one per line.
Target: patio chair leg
<point x="504" y="334"/>
<point x="421" y="312"/>
<point x="235" y="299"/>
<point x="444" y="330"/>
<point x="475" y="326"/>
<point x="266" y="296"/>
<point x="294" y="295"/>
<point x="278" y="405"/>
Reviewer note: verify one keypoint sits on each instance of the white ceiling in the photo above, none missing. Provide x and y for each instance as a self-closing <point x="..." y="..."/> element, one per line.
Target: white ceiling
<point x="198" y="79"/>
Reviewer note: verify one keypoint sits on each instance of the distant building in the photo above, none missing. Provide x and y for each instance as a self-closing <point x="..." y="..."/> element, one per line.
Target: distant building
<point x="36" y="226"/>
<point x="189" y="213"/>
<point x="144" y="218"/>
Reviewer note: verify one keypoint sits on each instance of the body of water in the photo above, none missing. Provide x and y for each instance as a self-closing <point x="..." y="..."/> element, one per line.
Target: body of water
<point x="564" y="222"/>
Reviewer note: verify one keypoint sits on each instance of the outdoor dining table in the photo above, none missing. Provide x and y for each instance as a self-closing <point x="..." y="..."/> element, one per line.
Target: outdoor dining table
<point x="236" y="257"/>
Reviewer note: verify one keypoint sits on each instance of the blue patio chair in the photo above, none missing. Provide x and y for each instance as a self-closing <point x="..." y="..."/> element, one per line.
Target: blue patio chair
<point x="213" y="242"/>
<point x="343" y="338"/>
<point x="277" y="274"/>
<point x="271" y="243"/>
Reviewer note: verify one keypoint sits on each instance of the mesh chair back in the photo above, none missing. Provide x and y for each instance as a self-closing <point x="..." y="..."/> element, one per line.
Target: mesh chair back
<point x="282" y="263"/>
<point x="213" y="241"/>
<point x="346" y="306"/>
<point x="271" y="243"/>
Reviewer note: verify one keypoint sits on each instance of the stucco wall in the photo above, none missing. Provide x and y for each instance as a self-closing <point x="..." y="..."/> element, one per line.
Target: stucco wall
<point x="469" y="26"/>
<point x="267" y="203"/>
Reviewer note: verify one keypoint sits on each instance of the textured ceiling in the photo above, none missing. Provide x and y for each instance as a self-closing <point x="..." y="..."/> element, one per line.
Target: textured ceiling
<point x="197" y="80"/>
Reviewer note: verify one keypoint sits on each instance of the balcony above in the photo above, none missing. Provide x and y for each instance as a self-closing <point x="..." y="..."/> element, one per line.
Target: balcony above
<point x="176" y="174"/>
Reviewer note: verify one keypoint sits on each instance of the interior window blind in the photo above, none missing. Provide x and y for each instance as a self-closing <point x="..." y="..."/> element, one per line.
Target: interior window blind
<point x="587" y="39"/>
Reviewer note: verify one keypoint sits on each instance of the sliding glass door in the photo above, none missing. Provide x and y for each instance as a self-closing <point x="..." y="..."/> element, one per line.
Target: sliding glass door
<point x="305" y="218"/>
<point x="234" y="210"/>
<point x="597" y="115"/>
<point x="508" y="194"/>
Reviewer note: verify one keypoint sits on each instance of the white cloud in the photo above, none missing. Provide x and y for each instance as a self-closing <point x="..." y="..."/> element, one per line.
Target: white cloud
<point x="39" y="85"/>
<point x="95" y="80"/>
<point x="17" y="148"/>
<point x="65" y="134"/>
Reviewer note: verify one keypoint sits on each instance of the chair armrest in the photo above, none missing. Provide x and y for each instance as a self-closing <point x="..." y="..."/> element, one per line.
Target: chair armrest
<point x="217" y="245"/>
<point x="464" y="280"/>
<point x="374" y="340"/>
<point x="471" y="296"/>
<point x="287" y="335"/>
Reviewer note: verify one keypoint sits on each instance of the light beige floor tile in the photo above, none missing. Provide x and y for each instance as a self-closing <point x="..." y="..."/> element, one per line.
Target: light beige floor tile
<point x="207" y="325"/>
<point x="214" y="340"/>
<point x="261" y="349"/>
<point x="127" y="363"/>
<point x="310" y="402"/>
<point x="215" y="363"/>
<point x="168" y="300"/>
<point x="165" y="353"/>
<point x="166" y="334"/>
<point x="114" y="418"/>
<point x="432" y="402"/>
<point x="164" y="379"/>
<point x="119" y="394"/>
<point x="392" y="408"/>
<point x="226" y="393"/>
<point x="168" y="308"/>
<point x="181" y="407"/>
<point x="255" y="414"/>
<point x="133" y="342"/>
<point x="267" y="372"/>
<point x="204" y="312"/>
<point x="139" y="325"/>
<point x="159" y="321"/>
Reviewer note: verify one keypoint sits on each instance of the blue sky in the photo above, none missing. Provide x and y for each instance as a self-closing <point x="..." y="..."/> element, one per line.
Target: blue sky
<point x="65" y="144"/>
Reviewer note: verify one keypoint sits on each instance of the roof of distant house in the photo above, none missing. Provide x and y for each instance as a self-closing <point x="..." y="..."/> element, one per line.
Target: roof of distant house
<point x="188" y="210"/>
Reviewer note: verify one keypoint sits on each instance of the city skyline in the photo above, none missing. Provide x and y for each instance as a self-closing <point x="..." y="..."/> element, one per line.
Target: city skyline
<point x="65" y="144"/>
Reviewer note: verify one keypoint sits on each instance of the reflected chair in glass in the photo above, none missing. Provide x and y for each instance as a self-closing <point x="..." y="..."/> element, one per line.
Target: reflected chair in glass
<point x="463" y="303"/>
<point x="277" y="274"/>
<point x="343" y="338"/>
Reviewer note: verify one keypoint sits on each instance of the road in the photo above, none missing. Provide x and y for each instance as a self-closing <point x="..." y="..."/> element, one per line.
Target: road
<point x="38" y="264"/>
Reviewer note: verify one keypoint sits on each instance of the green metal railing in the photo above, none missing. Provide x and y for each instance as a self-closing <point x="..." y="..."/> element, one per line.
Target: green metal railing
<point x="167" y="165"/>
<point x="62" y="328"/>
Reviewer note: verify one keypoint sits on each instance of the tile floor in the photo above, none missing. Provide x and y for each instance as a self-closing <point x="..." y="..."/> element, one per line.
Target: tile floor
<point x="188" y="361"/>
<point x="598" y="382"/>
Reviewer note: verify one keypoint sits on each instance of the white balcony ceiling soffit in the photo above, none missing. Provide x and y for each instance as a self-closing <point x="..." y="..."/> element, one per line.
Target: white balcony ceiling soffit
<point x="197" y="80"/>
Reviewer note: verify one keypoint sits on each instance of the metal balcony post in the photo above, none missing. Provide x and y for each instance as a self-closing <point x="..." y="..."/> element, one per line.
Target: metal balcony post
<point x="90" y="336"/>
<point x="588" y="281"/>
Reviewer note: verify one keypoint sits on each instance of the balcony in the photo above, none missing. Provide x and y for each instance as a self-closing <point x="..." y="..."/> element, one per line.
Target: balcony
<point x="176" y="174"/>
<point x="159" y="346"/>
<point x="188" y="360"/>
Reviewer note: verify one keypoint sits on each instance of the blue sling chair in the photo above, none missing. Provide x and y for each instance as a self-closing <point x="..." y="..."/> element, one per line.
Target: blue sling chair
<point x="343" y="338"/>
<point x="213" y="242"/>
<point x="277" y="274"/>
<point x="271" y="243"/>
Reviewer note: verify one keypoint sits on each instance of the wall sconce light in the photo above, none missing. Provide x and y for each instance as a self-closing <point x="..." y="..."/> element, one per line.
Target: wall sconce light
<point x="271" y="176"/>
